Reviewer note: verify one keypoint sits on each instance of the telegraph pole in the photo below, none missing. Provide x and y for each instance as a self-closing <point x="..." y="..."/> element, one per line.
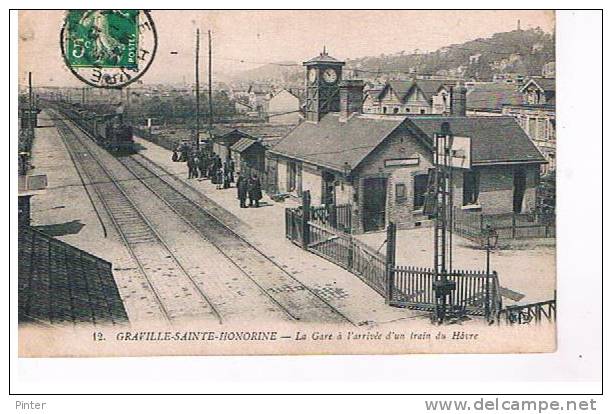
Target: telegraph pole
<point x="30" y="101"/>
<point x="197" y="88"/>
<point x="210" y="102"/>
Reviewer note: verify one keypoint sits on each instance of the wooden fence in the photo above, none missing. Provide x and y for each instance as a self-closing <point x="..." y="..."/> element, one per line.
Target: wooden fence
<point x="476" y="293"/>
<point x="474" y="225"/>
<point x="350" y="253"/>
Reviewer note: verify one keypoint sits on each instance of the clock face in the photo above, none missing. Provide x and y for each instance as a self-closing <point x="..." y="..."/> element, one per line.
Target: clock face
<point x="330" y="75"/>
<point x="312" y="75"/>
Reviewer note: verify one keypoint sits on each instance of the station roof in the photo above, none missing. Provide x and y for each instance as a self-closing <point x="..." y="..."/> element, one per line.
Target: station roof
<point x="331" y="143"/>
<point x="60" y="284"/>
<point x="495" y="139"/>
<point x="245" y="143"/>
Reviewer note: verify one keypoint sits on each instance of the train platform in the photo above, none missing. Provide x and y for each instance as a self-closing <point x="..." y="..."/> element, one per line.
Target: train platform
<point x="64" y="210"/>
<point x="265" y="228"/>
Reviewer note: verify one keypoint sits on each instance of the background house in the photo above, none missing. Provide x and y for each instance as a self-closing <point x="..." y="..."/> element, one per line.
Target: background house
<point x="536" y="115"/>
<point x="422" y="96"/>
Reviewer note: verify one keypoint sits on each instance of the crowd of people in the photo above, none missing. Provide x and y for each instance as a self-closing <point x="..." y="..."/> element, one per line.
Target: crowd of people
<point x="208" y="165"/>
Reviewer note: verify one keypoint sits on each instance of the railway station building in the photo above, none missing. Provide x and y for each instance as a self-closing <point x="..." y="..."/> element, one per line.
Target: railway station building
<point x="378" y="164"/>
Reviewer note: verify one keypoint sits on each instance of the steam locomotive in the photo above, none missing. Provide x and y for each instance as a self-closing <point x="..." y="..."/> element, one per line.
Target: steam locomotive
<point x="109" y="130"/>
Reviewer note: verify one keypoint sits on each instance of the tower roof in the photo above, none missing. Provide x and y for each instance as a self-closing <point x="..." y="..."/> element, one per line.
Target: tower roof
<point x="323" y="58"/>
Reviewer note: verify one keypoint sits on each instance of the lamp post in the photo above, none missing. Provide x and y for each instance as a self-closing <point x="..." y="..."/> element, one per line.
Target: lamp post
<point x="490" y="233"/>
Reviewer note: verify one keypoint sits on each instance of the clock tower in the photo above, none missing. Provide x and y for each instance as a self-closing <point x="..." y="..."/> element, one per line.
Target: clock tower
<point x="323" y="76"/>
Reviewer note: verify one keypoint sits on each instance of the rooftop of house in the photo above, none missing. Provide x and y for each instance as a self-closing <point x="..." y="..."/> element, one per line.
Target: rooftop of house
<point x="402" y="88"/>
<point x="491" y="96"/>
<point x="545" y="84"/>
<point x="334" y="144"/>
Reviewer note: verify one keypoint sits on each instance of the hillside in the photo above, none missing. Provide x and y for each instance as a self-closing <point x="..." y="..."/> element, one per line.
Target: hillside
<point x="518" y="51"/>
<point x="285" y="72"/>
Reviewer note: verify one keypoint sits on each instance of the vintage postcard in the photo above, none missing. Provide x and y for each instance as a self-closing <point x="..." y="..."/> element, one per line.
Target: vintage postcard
<point x="286" y="182"/>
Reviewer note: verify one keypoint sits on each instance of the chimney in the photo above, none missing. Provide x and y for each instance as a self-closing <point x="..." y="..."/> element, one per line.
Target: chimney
<point x="351" y="98"/>
<point x="458" y="100"/>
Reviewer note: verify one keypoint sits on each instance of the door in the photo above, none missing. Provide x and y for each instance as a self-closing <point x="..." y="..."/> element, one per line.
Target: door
<point x="328" y="195"/>
<point x="520" y="183"/>
<point x="374" y="203"/>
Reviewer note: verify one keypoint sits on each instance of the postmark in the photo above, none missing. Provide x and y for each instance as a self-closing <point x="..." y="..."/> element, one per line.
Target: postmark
<point x="108" y="48"/>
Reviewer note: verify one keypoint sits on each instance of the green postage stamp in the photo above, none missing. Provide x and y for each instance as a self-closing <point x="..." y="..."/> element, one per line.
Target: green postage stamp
<point x="108" y="48"/>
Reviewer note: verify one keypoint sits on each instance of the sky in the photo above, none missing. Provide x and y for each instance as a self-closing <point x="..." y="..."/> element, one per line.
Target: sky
<point x="258" y="37"/>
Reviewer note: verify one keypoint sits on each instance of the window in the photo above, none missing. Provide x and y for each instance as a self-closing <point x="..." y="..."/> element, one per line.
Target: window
<point x="407" y="109"/>
<point x="543" y="129"/>
<point x="422" y="112"/>
<point x="384" y="109"/>
<point x="471" y="187"/>
<point x="291" y="176"/>
<point x="551" y="129"/>
<point x="531" y="130"/>
<point x="420" y="188"/>
<point x="395" y="110"/>
<point x="400" y="193"/>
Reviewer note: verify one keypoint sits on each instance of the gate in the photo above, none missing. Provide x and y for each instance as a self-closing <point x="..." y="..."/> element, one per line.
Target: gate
<point x="294" y="225"/>
<point x="476" y="293"/>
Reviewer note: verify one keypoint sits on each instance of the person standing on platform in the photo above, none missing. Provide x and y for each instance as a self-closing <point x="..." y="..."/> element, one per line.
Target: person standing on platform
<point x="211" y="169"/>
<point x="230" y="169"/>
<point x="196" y="165"/>
<point x="238" y="180"/>
<point x="242" y="185"/>
<point x="226" y="175"/>
<point x="219" y="178"/>
<point x="254" y="191"/>
<point x="202" y="165"/>
<point x="189" y="167"/>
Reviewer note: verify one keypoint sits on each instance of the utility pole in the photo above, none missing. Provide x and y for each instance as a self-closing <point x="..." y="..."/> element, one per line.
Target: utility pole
<point x="197" y="88"/>
<point x="210" y="102"/>
<point x="30" y="102"/>
<point x="443" y="287"/>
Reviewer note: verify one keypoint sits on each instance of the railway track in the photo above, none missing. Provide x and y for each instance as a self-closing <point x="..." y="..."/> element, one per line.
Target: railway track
<point x="297" y="300"/>
<point x="177" y="294"/>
